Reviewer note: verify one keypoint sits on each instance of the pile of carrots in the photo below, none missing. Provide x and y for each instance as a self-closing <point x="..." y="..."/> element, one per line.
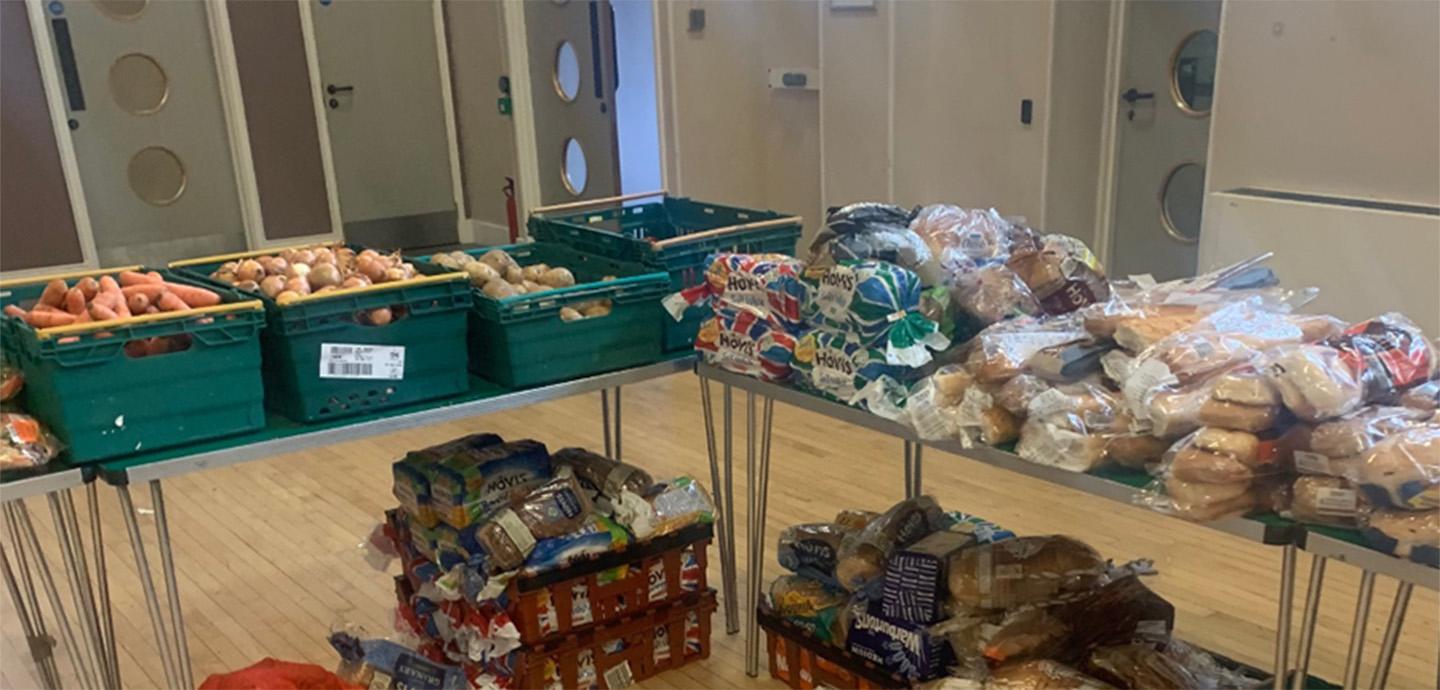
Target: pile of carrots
<point x="128" y="293"/>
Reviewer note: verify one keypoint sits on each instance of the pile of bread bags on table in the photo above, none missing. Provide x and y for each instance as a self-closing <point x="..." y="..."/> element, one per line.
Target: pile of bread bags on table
<point x="477" y="511"/>
<point x="1217" y="385"/>
<point x="932" y="595"/>
<point x="882" y="297"/>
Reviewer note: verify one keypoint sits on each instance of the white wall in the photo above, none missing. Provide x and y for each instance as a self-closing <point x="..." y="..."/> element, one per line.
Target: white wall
<point x="1329" y="97"/>
<point x="636" y="118"/>
<point x="476" y="36"/>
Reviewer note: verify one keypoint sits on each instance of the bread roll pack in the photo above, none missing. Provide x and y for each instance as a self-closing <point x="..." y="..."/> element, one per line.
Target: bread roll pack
<point x="1403" y="471"/>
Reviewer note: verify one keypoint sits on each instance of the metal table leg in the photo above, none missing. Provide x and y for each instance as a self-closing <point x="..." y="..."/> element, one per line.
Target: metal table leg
<point x="605" y="422"/>
<point x="1392" y="635"/>
<point x="172" y="589"/>
<point x="72" y="556"/>
<point x="759" y="497"/>
<point x="23" y="527"/>
<point x="729" y="469"/>
<point x="916" y="472"/>
<point x="1357" y="633"/>
<point x="909" y="472"/>
<point x="107" y="614"/>
<point x="723" y="519"/>
<point x="42" y="647"/>
<point x="31" y="598"/>
<point x="618" y="426"/>
<point x="1282" y="626"/>
<point x="152" y="601"/>
<point x="1307" y="622"/>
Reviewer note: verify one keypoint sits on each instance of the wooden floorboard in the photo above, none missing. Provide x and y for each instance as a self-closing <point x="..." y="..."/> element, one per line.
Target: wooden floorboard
<point x="269" y="555"/>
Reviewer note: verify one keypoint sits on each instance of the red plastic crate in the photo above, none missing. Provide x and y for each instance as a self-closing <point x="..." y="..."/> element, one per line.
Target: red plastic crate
<point x="803" y="662"/>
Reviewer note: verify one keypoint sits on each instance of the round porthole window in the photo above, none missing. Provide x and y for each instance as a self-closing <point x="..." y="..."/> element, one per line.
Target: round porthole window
<point x="1181" y="201"/>
<point x="572" y="168"/>
<point x="157" y="176"/>
<point x="1192" y="72"/>
<point x="567" y="71"/>
<point x="121" y="9"/>
<point x="138" y="84"/>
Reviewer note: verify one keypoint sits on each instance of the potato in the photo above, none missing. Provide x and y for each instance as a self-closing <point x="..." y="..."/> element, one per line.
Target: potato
<point x="533" y="272"/>
<point x="446" y="262"/>
<point x="461" y="258"/>
<point x="597" y="309"/>
<point x="568" y="314"/>
<point x="481" y="273"/>
<point x="499" y="289"/>
<point x="533" y="287"/>
<point x="498" y="260"/>
<point x="557" y="278"/>
<point x="514" y="275"/>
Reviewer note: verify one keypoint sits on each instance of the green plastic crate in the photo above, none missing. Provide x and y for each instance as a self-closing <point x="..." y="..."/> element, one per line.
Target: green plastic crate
<point x="521" y="341"/>
<point x="431" y="335"/>
<point x="102" y="403"/>
<point x="630" y="233"/>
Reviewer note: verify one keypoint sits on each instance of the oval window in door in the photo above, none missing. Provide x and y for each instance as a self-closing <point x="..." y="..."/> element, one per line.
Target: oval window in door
<point x="124" y="10"/>
<point x="138" y="84"/>
<point x="157" y="176"/>
<point x="1192" y="72"/>
<point x="567" y="71"/>
<point x="1181" y="201"/>
<point x="572" y="168"/>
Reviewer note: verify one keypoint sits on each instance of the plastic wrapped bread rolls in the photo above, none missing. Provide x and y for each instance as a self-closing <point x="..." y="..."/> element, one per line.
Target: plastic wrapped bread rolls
<point x="1320" y="500"/>
<point x="1022" y="571"/>
<point x="1314" y="382"/>
<point x="1405" y="533"/>
<point x="1353" y="434"/>
<point x="1403" y="471"/>
<point x="863" y="554"/>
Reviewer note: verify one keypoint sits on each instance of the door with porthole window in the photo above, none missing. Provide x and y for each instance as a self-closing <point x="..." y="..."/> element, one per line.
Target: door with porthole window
<point x="572" y="83"/>
<point x="1167" y="83"/>
<point x="145" y="113"/>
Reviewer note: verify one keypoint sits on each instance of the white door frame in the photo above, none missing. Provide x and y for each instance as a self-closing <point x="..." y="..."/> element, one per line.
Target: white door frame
<point x="1109" y="135"/>
<point x="463" y="227"/>
<point x="60" y="128"/>
<point x="522" y="111"/>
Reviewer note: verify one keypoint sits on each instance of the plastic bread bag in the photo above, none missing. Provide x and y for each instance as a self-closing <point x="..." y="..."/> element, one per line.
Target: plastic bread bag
<point x="1070" y="426"/>
<point x="948" y="405"/>
<point x="994" y="293"/>
<point x="766" y="284"/>
<point x="810" y="604"/>
<point x="1141" y="298"/>
<point x="25" y="442"/>
<point x="1072" y="361"/>
<point x="1139" y="666"/>
<point x="1233" y="335"/>
<point x="679" y="503"/>
<point x="555" y="508"/>
<point x="863" y="554"/>
<point x="835" y="364"/>
<point x="1057" y="445"/>
<point x="1387" y="354"/>
<point x="601" y="477"/>
<point x="1023" y="570"/>
<point x="1403" y="471"/>
<point x="1135" y="450"/>
<point x="1424" y="397"/>
<point x="1320" y="500"/>
<point x="1208" y="672"/>
<point x="811" y="550"/>
<point x="1015" y="395"/>
<point x="746" y="344"/>
<point x="1062" y="274"/>
<point x="867" y="230"/>
<point x="1350" y="436"/>
<point x="1412" y="534"/>
<point x="1042" y="674"/>
<point x="597" y="536"/>
<point x="961" y="240"/>
<point x="1001" y="351"/>
<point x="879" y="304"/>
<point x="1208" y="501"/>
<point x="854" y="520"/>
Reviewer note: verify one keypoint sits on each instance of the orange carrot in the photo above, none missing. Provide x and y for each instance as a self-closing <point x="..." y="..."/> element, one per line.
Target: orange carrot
<point x="152" y="309"/>
<point x="89" y="286"/>
<point x="47" y="309"/>
<point x="54" y="294"/>
<point x="49" y="319"/>
<point x="74" y="301"/>
<point x="100" y="312"/>
<point x="108" y="299"/>
<point x="12" y="310"/>
<point x="108" y="284"/>
<point x="137" y="302"/>
<point x="155" y="277"/>
<point x="171" y="302"/>
<point x="193" y="296"/>
<point x="151" y="291"/>
<point x="129" y="278"/>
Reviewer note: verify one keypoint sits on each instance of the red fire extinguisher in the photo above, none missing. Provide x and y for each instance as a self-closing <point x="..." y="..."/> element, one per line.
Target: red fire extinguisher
<point x="512" y="214"/>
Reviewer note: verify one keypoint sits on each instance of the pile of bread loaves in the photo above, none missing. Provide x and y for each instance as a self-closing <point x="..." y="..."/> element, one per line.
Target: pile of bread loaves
<point x="957" y="601"/>
<point x="1232" y="399"/>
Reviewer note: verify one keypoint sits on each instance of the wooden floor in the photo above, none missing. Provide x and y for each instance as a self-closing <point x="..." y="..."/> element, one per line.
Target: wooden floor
<point x="269" y="557"/>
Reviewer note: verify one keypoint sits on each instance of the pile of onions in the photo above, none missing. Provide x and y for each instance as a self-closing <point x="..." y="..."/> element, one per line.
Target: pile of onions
<point x="287" y="276"/>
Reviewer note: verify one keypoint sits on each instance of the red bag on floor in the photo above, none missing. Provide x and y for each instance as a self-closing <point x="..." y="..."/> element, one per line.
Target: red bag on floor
<point x="272" y="674"/>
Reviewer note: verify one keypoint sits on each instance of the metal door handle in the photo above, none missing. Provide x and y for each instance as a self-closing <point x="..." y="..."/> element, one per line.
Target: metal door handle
<point x="1133" y="95"/>
<point x="333" y="89"/>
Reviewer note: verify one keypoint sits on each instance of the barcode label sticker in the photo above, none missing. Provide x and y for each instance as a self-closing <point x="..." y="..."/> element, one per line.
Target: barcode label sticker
<point x="1336" y="502"/>
<point x="1311" y="463"/>
<point x="619" y="677"/>
<point x="341" y="361"/>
